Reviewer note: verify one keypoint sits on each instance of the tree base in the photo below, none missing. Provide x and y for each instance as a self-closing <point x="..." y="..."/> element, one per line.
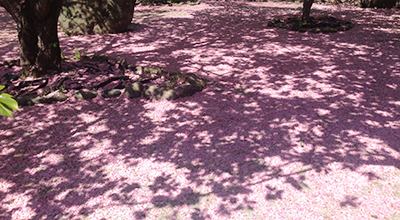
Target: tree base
<point x="325" y="24"/>
<point x="91" y="76"/>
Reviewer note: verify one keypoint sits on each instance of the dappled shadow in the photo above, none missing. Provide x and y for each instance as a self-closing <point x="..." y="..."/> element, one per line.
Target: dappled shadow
<point x="350" y="201"/>
<point x="51" y="169"/>
<point x="280" y="106"/>
<point x="8" y="36"/>
<point x="274" y="194"/>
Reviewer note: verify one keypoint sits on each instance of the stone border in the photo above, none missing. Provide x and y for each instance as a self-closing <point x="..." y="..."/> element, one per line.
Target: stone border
<point x="192" y="85"/>
<point x="175" y="85"/>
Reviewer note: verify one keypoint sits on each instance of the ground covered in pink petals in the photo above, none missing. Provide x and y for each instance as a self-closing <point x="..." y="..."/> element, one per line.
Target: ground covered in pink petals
<point x="291" y="126"/>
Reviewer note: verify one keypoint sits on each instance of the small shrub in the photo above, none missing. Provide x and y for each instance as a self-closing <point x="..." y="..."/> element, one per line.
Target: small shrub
<point x="78" y="55"/>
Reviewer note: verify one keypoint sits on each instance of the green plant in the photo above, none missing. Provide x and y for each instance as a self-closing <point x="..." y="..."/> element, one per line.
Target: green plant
<point x="62" y="55"/>
<point x="78" y="54"/>
<point x="173" y="79"/>
<point x="148" y="71"/>
<point x="45" y="92"/>
<point x="7" y="104"/>
<point x="54" y="44"/>
<point x="61" y="87"/>
<point x="51" y="89"/>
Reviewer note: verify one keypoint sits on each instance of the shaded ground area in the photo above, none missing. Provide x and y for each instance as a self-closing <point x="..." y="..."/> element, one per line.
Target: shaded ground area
<point x="325" y="24"/>
<point x="292" y="125"/>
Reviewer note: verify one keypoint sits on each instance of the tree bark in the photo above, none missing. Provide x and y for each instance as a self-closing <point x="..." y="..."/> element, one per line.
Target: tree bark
<point x="306" y="10"/>
<point x="40" y="52"/>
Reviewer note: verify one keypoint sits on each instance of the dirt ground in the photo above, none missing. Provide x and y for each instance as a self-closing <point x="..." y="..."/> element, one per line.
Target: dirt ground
<point x="291" y="126"/>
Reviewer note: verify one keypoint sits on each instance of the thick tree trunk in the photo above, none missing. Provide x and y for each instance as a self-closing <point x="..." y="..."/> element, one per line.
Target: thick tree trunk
<point x="306" y="10"/>
<point x="39" y="47"/>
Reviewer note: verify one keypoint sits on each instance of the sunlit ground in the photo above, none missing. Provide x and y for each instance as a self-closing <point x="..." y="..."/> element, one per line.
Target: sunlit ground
<point x="291" y="126"/>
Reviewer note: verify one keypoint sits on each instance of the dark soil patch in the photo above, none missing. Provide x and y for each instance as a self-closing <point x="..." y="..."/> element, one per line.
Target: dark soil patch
<point x="325" y="24"/>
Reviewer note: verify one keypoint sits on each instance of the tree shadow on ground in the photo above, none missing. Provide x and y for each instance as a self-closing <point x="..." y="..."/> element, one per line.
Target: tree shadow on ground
<point x="276" y="98"/>
<point x="8" y="36"/>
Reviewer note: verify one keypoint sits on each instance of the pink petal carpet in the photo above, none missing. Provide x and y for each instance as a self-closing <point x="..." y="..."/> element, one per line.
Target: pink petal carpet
<point x="291" y="126"/>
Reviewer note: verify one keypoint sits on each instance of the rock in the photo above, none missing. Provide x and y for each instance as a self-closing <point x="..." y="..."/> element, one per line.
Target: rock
<point x="85" y="95"/>
<point x="56" y="96"/>
<point x="96" y="17"/>
<point x="151" y="91"/>
<point x="134" y="90"/>
<point x="78" y="95"/>
<point x="198" y="83"/>
<point x="315" y="30"/>
<point x="24" y="101"/>
<point x="156" y="92"/>
<point x="174" y="85"/>
<point x="139" y="70"/>
<point x="113" y="93"/>
<point x="185" y="90"/>
<point x="168" y="94"/>
<point x="131" y="67"/>
<point x="42" y="100"/>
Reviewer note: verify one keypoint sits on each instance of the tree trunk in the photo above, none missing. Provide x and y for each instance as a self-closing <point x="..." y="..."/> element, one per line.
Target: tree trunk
<point x="39" y="47"/>
<point x="306" y="10"/>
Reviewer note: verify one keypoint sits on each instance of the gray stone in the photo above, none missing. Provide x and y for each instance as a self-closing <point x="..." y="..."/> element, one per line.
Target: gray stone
<point x="139" y="70"/>
<point x="78" y="95"/>
<point x="156" y="92"/>
<point x="185" y="90"/>
<point x="42" y="100"/>
<point x="56" y="96"/>
<point x="24" y="101"/>
<point x="151" y="91"/>
<point x="82" y="95"/>
<point x="134" y="90"/>
<point x="113" y="93"/>
<point x="91" y="94"/>
<point x="165" y="93"/>
<point x="198" y="83"/>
